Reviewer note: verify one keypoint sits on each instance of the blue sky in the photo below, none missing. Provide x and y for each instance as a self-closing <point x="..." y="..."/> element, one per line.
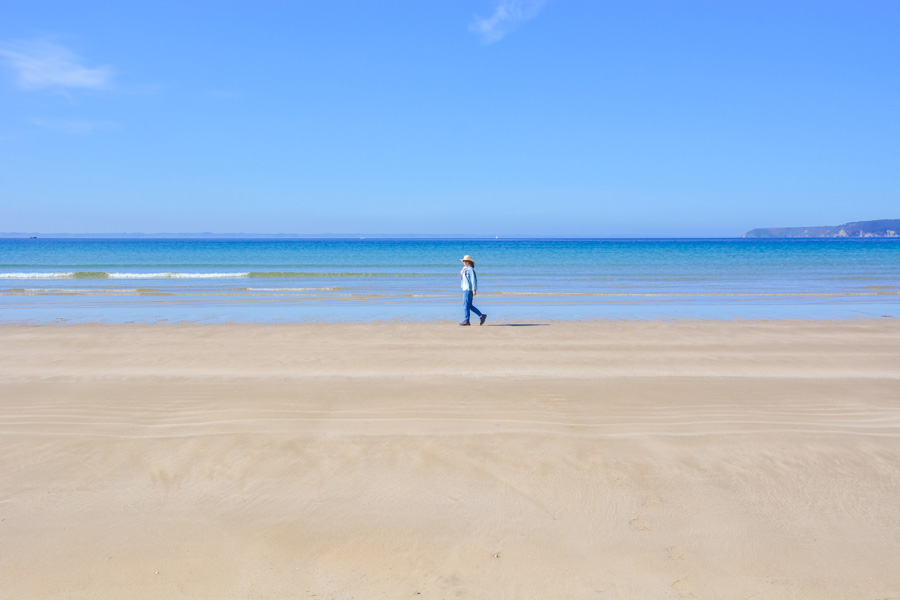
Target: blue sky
<point x="483" y="117"/>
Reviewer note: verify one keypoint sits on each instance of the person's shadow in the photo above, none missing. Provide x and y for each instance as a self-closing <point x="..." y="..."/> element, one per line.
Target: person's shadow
<point x="519" y="325"/>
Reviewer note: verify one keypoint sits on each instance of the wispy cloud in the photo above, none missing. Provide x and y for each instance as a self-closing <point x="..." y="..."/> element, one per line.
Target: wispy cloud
<point x="44" y="64"/>
<point x="75" y="126"/>
<point x="508" y="15"/>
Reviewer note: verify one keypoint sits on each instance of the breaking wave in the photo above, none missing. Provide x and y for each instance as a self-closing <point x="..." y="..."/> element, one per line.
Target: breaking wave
<point x="180" y="275"/>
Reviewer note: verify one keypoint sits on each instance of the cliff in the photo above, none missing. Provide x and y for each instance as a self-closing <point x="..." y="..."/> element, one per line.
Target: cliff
<point x="879" y="228"/>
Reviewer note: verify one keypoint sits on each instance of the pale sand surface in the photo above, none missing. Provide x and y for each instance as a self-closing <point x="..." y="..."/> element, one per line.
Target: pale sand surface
<point x="644" y="460"/>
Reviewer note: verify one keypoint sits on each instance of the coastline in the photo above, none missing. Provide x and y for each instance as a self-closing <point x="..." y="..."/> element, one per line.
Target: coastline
<point x="565" y="459"/>
<point x="558" y="310"/>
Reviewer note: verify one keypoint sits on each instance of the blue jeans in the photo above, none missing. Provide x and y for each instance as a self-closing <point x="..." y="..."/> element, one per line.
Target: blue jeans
<point x="468" y="306"/>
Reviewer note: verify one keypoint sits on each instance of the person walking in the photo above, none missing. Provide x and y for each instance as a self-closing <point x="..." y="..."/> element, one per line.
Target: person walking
<point x="469" y="284"/>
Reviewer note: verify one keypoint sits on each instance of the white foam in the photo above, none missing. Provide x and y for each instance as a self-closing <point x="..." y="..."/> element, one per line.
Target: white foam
<point x="36" y="275"/>
<point x="174" y="275"/>
<point x="103" y="275"/>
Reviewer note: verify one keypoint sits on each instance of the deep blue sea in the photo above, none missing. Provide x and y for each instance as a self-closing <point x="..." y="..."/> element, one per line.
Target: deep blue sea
<point x="267" y="281"/>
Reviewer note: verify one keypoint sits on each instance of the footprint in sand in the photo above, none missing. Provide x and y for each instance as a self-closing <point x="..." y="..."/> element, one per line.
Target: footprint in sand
<point x="681" y="586"/>
<point x="639" y="525"/>
<point x="652" y="500"/>
<point x="675" y="553"/>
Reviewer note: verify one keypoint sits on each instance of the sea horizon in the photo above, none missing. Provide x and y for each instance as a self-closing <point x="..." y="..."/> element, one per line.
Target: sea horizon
<point x="343" y="236"/>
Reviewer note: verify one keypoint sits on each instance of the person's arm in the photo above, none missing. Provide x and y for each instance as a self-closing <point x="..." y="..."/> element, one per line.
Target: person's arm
<point x="468" y="277"/>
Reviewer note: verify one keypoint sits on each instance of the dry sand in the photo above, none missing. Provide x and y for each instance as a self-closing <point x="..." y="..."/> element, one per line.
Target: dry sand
<point x="635" y="460"/>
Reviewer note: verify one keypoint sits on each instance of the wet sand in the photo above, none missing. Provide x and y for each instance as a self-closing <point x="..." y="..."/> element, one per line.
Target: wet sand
<point x="646" y="459"/>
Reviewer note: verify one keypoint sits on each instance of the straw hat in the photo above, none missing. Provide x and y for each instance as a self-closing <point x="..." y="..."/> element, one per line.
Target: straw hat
<point x="468" y="258"/>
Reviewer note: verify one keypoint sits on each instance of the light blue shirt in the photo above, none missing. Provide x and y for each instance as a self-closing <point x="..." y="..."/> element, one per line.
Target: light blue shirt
<point x="468" y="279"/>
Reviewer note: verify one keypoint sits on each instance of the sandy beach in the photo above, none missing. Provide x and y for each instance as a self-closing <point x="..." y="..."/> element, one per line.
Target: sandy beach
<point x="632" y="460"/>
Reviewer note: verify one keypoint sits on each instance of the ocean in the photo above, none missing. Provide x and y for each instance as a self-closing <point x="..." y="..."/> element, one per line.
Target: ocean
<point x="296" y="280"/>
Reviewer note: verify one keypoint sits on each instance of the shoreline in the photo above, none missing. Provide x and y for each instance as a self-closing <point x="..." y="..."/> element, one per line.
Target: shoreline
<point x="446" y="320"/>
<point x="622" y="459"/>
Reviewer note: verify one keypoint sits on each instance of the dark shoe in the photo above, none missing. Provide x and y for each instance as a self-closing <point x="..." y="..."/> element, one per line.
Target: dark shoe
<point x="465" y="323"/>
<point x="483" y="317"/>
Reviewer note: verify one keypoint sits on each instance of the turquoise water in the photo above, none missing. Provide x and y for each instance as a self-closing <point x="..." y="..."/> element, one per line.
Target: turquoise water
<point x="50" y="280"/>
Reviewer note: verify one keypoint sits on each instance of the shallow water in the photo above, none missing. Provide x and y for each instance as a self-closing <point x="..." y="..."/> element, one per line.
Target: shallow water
<point x="121" y="280"/>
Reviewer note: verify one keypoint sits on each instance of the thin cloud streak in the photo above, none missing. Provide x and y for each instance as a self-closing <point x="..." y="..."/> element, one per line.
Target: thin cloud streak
<point x="508" y="15"/>
<point x="43" y="64"/>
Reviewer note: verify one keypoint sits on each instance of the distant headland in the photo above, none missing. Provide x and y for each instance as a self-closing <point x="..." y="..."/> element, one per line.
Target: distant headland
<point x="857" y="229"/>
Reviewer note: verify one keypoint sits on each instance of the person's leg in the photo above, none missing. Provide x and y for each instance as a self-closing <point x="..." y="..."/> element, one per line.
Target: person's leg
<point x="472" y="306"/>
<point x="467" y="305"/>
